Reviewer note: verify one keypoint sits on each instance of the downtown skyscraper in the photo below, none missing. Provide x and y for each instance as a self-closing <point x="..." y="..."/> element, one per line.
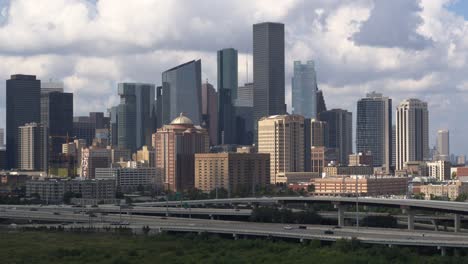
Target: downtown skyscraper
<point x="135" y="116"/>
<point x="227" y="94"/>
<point x="340" y="132"/>
<point x="210" y="112"/>
<point x="443" y="145"/>
<point x="56" y="116"/>
<point x="268" y="70"/>
<point x="304" y="89"/>
<point x="181" y="93"/>
<point x="412" y="132"/>
<point x="23" y="105"/>
<point x="374" y="129"/>
<point x="33" y="147"/>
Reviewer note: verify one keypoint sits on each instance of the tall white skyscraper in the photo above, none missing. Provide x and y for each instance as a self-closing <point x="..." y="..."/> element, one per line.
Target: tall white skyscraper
<point x="443" y="145"/>
<point x="412" y="132"/>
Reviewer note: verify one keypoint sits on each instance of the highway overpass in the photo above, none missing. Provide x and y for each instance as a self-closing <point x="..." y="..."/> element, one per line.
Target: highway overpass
<point x="443" y="206"/>
<point x="250" y="229"/>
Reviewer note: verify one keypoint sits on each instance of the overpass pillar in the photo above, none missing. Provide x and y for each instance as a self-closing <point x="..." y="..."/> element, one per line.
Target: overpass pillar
<point x="436" y="226"/>
<point x="410" y="219"/>
<point x="341" y="210"/>
<point x="456" y="222"/>
<point x="443" y="251"/>
<point x="410" y="214"/>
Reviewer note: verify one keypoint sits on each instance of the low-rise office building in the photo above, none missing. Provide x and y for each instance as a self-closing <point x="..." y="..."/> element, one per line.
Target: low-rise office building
<point x="450" y="190"/>
<point x="362" y="185"/>
<point x="296" y="177"/>
<point x="439" y="169"/>
<point x="361" y="159"/>
<point x="92" y="158"/>
<point x="131" y="179"/>
<point x="54" y="190"/>
<point x="348" y="170"/>
<point x="231" y="171"/>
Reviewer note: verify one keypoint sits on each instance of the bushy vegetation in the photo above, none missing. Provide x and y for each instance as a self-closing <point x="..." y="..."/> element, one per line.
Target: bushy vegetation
<point x="58" y="247"/>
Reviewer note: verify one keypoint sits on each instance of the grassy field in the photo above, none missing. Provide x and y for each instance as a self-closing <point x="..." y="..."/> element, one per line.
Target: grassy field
<point x="35" y="247"/>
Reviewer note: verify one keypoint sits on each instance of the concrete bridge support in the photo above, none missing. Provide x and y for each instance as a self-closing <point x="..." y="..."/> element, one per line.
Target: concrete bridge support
<point x="410" y="219"/>
<point x="456" y="223"/>
<point x="410" y="213"/>
<point x="341" y="210"/>
<point x="443" y="251"/>
<point x="436" y="226"/>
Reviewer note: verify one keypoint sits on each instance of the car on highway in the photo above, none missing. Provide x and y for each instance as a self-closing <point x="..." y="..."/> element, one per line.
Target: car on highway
<point x="287" y="227"/>
<point x="56" y="213"/>
<point x="328" y="232"/>
<point x="302" y="227"/>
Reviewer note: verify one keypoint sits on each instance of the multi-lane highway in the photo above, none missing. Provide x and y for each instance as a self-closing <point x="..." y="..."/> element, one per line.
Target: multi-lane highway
<point x="445" y="206"/>
<point x="238" y="228"/>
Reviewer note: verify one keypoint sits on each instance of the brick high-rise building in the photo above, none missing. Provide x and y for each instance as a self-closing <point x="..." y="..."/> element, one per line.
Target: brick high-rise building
<point x="176" y="145"/>
<point x="235" y="172"/>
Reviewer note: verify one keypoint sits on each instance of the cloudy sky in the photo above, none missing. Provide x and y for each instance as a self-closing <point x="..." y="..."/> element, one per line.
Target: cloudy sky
<point x="402" y="48"/>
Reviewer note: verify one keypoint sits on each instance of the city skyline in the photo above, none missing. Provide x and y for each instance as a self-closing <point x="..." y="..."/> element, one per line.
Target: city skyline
<point x="345" y="76"/>
<point x="326" y="125"/>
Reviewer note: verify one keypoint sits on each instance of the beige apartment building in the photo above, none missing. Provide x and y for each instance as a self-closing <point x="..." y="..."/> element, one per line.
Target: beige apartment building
<point x="231" y="171"/>
<point x="451" y="189"/>
<point x="282" y="136"/>
<point x="363" y="185"/>
<point x="33" y="147"/>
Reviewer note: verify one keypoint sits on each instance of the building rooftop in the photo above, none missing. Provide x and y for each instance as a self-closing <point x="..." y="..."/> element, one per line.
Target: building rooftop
<point x="182" y="120"/>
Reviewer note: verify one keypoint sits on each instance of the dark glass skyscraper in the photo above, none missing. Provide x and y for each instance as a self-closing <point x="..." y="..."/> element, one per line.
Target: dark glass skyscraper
<point x="127" y="111"/>
<point x="57" y="117"/>
<point x="23" y="105"/>
<point x="374" y="129"/>
<point x="210" y="112"/>
<point x="304" y="89"/>
<point x="227" y="93"/>
<point x="268" y="69"/>
<point x="113" y="125"/>
<point x="136" y="122"/>
<point x="181" y="92"/>
<point x="340" y="132"/>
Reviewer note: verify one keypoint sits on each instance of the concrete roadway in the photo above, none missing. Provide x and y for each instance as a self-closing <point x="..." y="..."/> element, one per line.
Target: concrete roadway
<point x="452" y="207"/>
<point x="203" y="211"/>
<point x="235" y="228"/>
